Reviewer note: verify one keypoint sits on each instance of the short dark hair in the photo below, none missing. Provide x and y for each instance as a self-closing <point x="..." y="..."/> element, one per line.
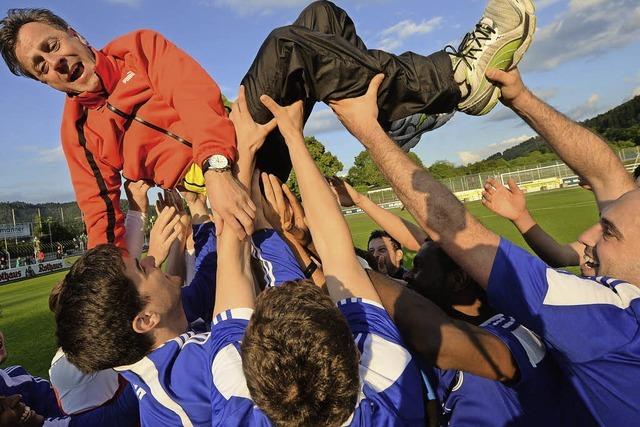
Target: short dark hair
<point x="636" y="172"/>
<point x="379" y="234"/>
<point x="299" y="357"/>
<point x="10" y="27"/>
<point x="95" y="310"/>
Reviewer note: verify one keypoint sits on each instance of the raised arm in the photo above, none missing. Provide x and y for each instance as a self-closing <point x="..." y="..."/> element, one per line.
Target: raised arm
<point x="510" y="203"/>
<point x="408" y="234"/>
<point x="235" y="284"/>
<point x="581" y="149"/>
<point x="329" y="231"/>
<point x="434" y="207"/>
<point x="440" y="340"/>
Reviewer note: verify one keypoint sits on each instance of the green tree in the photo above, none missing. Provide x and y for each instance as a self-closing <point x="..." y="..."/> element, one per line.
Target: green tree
<point x="365" y="173"/>
<point x="327" y="162"/>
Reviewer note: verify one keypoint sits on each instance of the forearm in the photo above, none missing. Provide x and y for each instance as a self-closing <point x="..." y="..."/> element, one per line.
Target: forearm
<point x="434" y="207"/>
<point x="440" y="340"/>
<point x="405" y="232"/>
<point x="134" y="232"/>
<point x="583" y="151"/>
<point x="304" y="259"/>
<point x="329" y="230"/>
<point x="175" y="260"/>
<point x="549" y="250"/>
<point x="234" y="279"/>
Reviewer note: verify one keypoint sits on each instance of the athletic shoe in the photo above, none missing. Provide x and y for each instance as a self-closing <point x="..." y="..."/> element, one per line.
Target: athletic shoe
<point x="407" y="132"/>
<point x="500" y="39"/>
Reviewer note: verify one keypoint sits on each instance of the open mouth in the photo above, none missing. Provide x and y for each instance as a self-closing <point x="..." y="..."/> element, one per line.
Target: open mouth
<point x="76" y="71"/>
<point x="590" y="262"/>
<point x="27" y="414"/>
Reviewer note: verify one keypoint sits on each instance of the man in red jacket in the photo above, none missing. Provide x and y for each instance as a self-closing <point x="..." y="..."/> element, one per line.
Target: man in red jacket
<point x="143" y="108"/>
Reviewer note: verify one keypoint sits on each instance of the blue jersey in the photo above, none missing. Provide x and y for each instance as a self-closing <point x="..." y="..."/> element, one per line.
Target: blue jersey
<point x="391" y="389"/>
<point x="39" y="396"/>
<point x="590" y="325"/>
<point x="540" y="395"/>
<point x="276" y="258"/>
<point x="197" y="379"/>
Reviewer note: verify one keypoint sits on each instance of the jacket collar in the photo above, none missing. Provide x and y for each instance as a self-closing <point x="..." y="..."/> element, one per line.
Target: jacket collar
<point x="107" y="70"/>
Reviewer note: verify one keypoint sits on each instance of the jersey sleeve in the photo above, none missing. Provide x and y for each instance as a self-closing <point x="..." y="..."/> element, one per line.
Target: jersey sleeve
<point x="279" y="264"/>
<point x="527" y="349"/>
<point x="368" y="317"/>
<point x="96" y="184"/>
<point x="198" y="296"/>
<point x="561" y="308"/>
<point x="122" y="411"/>
<point x="223" y="346"/>
<point x="389" y="372"/>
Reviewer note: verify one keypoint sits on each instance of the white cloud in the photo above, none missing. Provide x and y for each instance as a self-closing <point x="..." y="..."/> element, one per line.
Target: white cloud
<point x="586" y="29"/>
<point x="636" y="91"/>
<point x="253" y="7"/>
<point x="502" y="113"/>
<point x="587" y="109"/>
<point x="129" y="3"/>
<point x="477" y="155"/>
<point x="393" y="37"/>
<point x="321" y="121"/>
<point x="541" y="4"/>
<point x="49" y="155"/>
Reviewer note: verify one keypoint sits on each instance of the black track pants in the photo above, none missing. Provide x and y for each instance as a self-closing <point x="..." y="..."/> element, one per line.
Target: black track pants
<point x="321" y="58"/>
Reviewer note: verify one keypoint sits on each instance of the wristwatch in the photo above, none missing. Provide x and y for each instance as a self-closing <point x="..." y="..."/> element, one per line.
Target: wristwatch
<point x="216" y="163"/>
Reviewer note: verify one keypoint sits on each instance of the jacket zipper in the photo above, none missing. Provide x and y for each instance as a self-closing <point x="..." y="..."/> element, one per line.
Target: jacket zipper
<point x="149" y="125"/>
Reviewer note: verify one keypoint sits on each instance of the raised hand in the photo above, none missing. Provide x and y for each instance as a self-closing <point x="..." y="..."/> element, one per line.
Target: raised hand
<point x="510" y="84"/>
<point x="136" y="192"/>
<point x="166" y="230"/>
<point x="356" y="113"/>
<point x="289" y="118"/>
<point x="509" y="202"/>
<point x="347" y="196"/>
<point x="249" y="134"/>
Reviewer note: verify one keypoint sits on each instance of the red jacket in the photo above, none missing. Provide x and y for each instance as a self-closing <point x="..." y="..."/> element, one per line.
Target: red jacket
<point x="160" y="113"/>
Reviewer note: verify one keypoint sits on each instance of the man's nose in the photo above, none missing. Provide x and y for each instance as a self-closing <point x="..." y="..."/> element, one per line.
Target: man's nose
<point x="58" y="63"/>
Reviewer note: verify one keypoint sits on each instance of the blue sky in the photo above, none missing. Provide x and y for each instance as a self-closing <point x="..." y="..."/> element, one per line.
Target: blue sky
<point x="585" y="59"/>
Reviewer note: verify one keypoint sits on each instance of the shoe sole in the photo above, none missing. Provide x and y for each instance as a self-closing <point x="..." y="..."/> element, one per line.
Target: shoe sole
<point x="489" y="99"/>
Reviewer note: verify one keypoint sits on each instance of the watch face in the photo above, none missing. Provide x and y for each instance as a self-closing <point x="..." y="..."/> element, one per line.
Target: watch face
<point x="218" y="161"/>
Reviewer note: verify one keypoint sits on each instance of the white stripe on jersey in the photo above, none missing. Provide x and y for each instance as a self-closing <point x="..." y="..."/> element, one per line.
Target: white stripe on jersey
<point x="566" y="289"/>
<point x="382" y="362"/>
<point x="147" y="371"/>
<point x="531" y="343"/>
<point x="17" y="380"/>
<point x="228" y="376"/>
<point x="267" y="266"/>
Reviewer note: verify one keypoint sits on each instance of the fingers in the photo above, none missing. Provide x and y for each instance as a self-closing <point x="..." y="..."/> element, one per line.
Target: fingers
<point x="374" y="85"/>
<point x="241" y="102"/>
<point x="271" y="125"/>
<point x="277" y="192"/>
<point x="268" y="190"/>
<point x="513" y="186"/>
<point x="271" y="105"/>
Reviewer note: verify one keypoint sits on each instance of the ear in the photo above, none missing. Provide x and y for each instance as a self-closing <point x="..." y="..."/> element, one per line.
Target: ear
<point x="74" y="33"/>
<point x="145" y="322"/>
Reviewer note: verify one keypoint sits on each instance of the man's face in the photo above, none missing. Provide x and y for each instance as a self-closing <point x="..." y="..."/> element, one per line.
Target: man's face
<point x="426" y="275"/>
<point x="14" y="413"/>
<point x="162" y="291"/>
<point x="386" y="256"/>
<point x="613" y="245"/>
<point x="60" y="59"/>
<point x="3" y="348"/>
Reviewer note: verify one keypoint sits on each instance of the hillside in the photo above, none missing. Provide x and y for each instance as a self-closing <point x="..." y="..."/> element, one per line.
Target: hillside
<point x="619" y="124"/>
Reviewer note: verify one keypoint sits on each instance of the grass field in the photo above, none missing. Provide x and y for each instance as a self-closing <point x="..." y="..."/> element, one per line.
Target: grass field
<point x="28" y="324"/>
